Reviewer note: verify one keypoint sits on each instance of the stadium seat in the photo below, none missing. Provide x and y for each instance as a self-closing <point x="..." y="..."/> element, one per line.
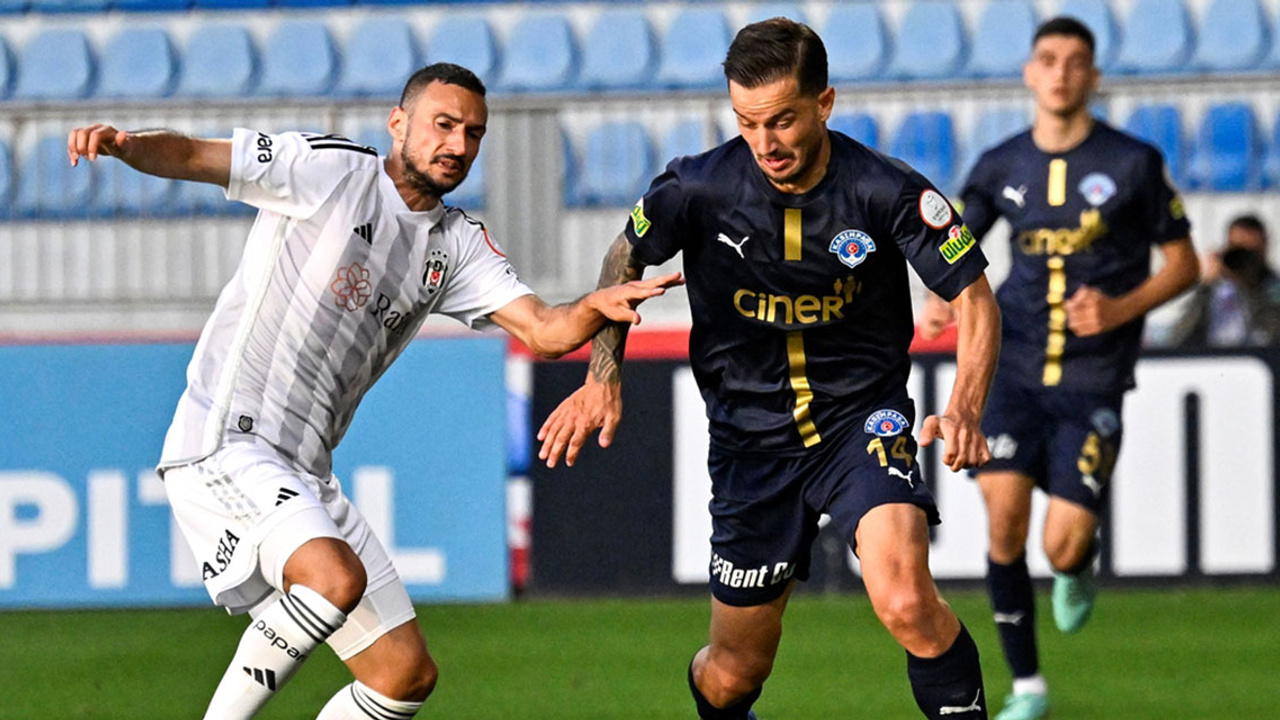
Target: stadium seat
<point x="1097" y="15"/>
<point x="569" y="183"/>
<point x="617" y="159"/>
<point x="1002" y="39"/>
<point x="859" y="126"/>
<point x="541" y="54"/>
<point x="14" y="6"/>
<point x="59" y="6"/>
<point x="8" y="70"/>
<point x="1228" y="151"/>
<point x="687" y="137"/>
<point x="139" y="62"/>
<point x="470" y="194"/>
<point x="299" y="59"/>
<point x="309" y="3"/>
<point x="381" y="53"/>
<point x="1161" y="125"/>
<point x="619" y="52"/>
<point x="50" y="188"/>
<point x="151" y="5"/>
<point x="1158" y="38"/>
<point x="693" y="49"/>
<point x="230" y="4"/>
<point x="121" y="191"/>
<point x="220" y="61"/>
<point x="931" y="41"/>
<point x="6" y="179"/>
<point x="766" y="10"/>
<point x="926" y="141"/>
<point x="857" y="42"/>
<point x="56" y="64"/>
<point x="467" y="41"/>
<point x="1235" y="35"/>
<point x="1271" y="162"/>
<point x="374" y="135"/>
<point x="994" y="126"/>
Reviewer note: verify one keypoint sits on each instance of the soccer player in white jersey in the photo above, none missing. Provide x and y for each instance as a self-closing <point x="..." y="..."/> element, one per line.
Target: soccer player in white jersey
<point x="348" y="255"/>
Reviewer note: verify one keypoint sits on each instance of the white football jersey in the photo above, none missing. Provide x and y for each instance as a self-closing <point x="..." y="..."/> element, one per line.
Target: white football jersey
<point x="337" y="276"/>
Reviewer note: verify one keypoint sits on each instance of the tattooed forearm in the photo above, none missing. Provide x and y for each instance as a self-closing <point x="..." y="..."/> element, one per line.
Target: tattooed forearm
<point x="609" y="345"/>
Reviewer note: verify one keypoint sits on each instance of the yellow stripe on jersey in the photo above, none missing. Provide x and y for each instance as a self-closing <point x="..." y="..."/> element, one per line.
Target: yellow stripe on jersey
<point x="800" y="384"/>
<point x="1056" y="295"/>
<point x="1057" y="182"/>
<point x="791" y="235"/>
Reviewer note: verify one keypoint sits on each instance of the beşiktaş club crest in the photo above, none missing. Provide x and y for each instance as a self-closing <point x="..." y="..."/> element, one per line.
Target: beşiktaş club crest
<point x="434" y="270"/>
<point x="852" y="247"/>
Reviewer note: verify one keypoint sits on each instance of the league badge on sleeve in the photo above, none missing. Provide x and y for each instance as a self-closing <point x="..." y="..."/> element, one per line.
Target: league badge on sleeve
<point x="935" y="211"/>
<point x="886" y="423"/>
<point x="852" y="247"/>
<point x="1097" y="188"/>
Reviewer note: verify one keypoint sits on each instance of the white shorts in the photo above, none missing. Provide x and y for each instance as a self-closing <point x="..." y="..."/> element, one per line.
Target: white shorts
<point x="244" y="511"/>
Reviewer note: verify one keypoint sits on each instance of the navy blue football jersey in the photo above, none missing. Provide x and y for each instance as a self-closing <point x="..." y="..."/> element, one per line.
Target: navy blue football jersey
<point x="800" y="303"/>
<point x="1088" y="216"/>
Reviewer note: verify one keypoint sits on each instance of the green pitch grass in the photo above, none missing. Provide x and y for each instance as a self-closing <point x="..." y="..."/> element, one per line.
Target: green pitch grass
<point x="1200" y="654"/>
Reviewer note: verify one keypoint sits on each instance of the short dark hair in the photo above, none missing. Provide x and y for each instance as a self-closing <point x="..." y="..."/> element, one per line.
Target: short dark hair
<point x="773" y="49"/>
<point x="1251" y="222"/>
<point x="1066" y="25"/>
<point x="447" y="73"/>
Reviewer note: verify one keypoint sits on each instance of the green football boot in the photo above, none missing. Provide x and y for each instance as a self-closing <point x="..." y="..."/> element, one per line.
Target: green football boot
<point x="1073" y="597"/>
<point x="1025" y="706"/>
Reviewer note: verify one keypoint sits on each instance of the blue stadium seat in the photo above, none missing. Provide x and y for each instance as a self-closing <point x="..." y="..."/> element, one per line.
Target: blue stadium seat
<point x="572" y="168"/>
<point x="381" y="53"/>
<point x="616" y="163"/>
<point x="766" y="10"/>
<point x="926" y="141"/>
<point x="686" y="137"/>
<point x="1235" y="35"/>
<point x="541" y="53"/>
<point x="6" y="179"/>
<point x="230" y="4"/>
<point x="693" y="49"/>
<point x="56" y="64"/>
<point x="859" y="126"/>
<point x="857" y="42"/>
<point x="931" y="41"/>
<point x="220" y="61"/>
<point x="619" y="52"/>
<point x="121" y="191"/>
<point x="1158" y="38"/>
<point x="1002" y="40"/>
<point x="50" y="188"/>
<point x="467" y="41"/>
<point x="8" y="70"/>
<point x="470" y="194"/>
<point x="139" y="62"/>
<point x="299" y="59"/>
<point x="1271" y="162"/>
<point x="1097" y="15"/>
<point x="1228" y="151"/>
<point x="151" y="5"/>
<point x="994" y="126"/>
<point x="14" y="6"/>
<point x="1161" y="125"/>
<point x="59" y="6"/>
<point x="309" y="3"/>
<point x="375" y="136"/>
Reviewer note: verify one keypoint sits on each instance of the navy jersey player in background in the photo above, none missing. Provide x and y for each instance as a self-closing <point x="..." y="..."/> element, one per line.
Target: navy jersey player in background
<point x="1085" y="203"/>
<point x="796" y="242"/>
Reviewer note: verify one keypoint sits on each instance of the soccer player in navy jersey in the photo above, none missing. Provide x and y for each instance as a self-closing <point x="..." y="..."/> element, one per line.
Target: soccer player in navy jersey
<point x="796" y="242"/>
<point x="1085" y="203"/>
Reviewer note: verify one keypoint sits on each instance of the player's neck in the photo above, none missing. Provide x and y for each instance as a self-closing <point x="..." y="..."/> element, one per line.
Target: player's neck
<point x="413" y="199"/>
<point x="1054" y="133"/>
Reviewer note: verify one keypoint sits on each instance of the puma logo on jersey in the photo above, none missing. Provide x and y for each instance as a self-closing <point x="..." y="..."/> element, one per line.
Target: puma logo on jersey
<point x="975" y="706"/>
<point x="895" y="472"/>
<point x="737" y="246"/>
<point x="1016" y="196"/>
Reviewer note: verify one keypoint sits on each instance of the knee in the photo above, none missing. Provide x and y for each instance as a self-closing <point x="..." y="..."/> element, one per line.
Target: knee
<point x="419" y="680"/>
<point x="1007" y="538"/>
<point x="1065" y="553"/>
<point x="342" y="582"/>
<point x="905" y="611"/>
<point x="728" y="677"/>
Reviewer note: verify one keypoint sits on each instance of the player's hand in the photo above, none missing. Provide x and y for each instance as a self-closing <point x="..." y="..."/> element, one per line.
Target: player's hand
<point x="94" y="140"/>
<point x="619" y="302"/>
<point x="595" y="405"/>
<point x="964" y="445"/>
<point x="1090" y="312"/>
<point x="935" y="317"/>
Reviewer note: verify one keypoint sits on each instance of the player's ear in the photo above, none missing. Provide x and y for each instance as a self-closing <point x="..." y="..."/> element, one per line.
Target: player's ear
<point x="826" y="101"/>
<point x="398" y="125"/>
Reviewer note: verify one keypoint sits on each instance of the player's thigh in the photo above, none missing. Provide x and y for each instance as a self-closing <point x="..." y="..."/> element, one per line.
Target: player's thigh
<point x="893" y="550"/>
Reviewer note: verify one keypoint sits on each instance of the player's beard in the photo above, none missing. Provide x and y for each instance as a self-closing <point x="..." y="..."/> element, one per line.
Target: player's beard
<point x="423" y="182"/>
<point x="805" y="159"/>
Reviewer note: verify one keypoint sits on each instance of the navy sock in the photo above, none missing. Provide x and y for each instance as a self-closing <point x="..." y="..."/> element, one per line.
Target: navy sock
<point x="1013" y="603"/>
<point x="949" y="685"/>
<point x="738" y="711"/>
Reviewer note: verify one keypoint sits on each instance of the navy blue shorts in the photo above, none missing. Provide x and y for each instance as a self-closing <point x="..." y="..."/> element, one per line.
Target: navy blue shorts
<point x="765" y="508"/>
<point x="1066" y="441"/>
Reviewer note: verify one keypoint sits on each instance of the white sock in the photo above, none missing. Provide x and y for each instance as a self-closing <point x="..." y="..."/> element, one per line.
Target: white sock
<point x="358" y="701"/>
<point x="271" y="650"/>
<point x="1034" y="685"/>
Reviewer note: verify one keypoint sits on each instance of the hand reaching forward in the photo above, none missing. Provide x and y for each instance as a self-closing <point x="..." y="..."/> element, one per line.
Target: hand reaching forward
<point x="595" y="405"/>
<point x="964" y="444"/>
<point x="619" y="302"/>
<point x="95" y="140"/>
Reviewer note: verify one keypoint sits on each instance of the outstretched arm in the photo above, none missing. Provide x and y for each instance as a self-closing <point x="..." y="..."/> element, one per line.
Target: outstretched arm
<point x="978" y="345"/>
<point x="598" y="403"/>
<point x="164" y="153"/>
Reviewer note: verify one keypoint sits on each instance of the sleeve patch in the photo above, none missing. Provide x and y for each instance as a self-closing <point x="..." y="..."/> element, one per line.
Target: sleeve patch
<point x="934" y="209"/>
<point x="639" y="222"/>
<point x="959" y="242"/>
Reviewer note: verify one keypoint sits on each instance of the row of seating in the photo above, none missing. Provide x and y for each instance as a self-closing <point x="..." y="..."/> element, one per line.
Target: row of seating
<point x="615" y="160"/>
<point x="620" y="50"/>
